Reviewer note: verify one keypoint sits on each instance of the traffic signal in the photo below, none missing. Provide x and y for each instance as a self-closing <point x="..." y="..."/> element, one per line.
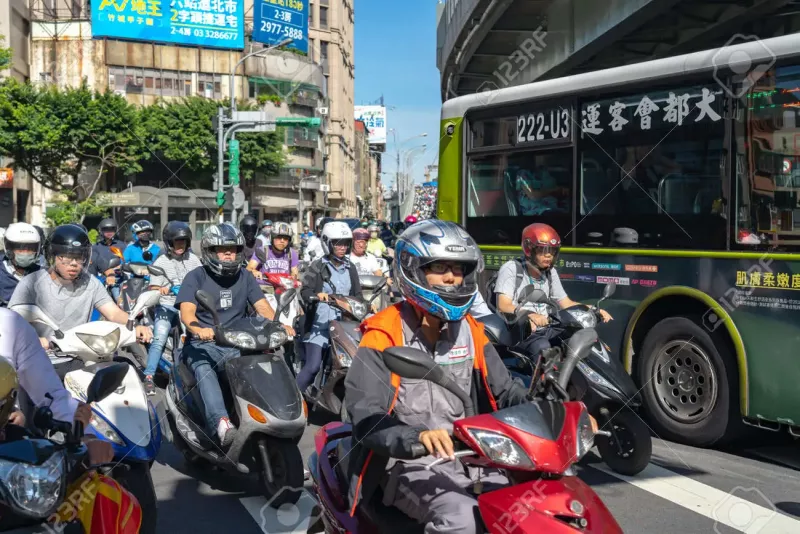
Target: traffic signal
<point x="233" y="164"/>
<point x="220" y="198"/>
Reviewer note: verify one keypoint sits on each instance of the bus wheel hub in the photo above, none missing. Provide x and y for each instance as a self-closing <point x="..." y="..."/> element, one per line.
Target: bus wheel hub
<point x="685" y="381"/>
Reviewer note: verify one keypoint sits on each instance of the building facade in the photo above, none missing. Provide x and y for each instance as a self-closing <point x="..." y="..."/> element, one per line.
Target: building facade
<point x="319" y="176"/>
<point x="331" y="45"/>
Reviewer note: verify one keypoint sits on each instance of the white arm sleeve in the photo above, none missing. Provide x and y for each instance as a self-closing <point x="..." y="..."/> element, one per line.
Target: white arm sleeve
<point x="35" y="373"/>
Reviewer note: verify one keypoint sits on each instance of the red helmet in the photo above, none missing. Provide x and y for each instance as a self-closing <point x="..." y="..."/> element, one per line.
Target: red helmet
<point x="411" y="219"/>
<point x="542" y="237"/>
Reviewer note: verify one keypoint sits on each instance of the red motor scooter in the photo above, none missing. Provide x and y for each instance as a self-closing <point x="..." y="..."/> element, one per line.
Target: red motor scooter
<point x="535" y="444"/>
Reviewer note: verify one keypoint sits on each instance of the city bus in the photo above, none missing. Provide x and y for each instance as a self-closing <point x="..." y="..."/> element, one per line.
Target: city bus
<point x="677" y="179"/>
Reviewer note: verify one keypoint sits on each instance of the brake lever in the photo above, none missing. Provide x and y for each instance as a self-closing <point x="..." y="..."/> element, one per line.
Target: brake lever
<point x="457" y="454"/>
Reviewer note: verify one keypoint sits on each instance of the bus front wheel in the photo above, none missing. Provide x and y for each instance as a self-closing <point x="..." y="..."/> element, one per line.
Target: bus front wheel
<point x="689" y="383"/>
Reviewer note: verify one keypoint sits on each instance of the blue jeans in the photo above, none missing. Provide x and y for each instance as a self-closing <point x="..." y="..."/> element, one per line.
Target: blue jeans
<point x="207" y="360"/>
<point x="166" y="317"/>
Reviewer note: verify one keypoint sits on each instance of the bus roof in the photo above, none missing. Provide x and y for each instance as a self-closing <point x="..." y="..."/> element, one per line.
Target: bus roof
<point x="753" y="52"/>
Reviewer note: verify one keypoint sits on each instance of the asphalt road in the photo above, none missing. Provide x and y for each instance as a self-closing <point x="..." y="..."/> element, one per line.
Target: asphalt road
<point x="684" y="489"/>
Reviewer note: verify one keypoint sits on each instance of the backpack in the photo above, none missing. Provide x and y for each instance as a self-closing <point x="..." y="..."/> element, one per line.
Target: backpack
<point x="519" y="277"/>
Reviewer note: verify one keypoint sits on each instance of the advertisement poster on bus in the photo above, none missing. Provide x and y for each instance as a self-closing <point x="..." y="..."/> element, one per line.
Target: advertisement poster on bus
<point x="274" y="22"/>
<point x="374" y="118"/>
<point x="206" y="23"/>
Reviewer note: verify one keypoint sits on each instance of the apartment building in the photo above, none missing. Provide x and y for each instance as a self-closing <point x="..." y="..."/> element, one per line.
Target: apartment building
<point x="284" y="83"/>
<point x="331" y="45"/>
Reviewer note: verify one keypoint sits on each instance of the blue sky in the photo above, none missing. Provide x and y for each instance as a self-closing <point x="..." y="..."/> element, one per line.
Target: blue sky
<point x="395" y="56"/>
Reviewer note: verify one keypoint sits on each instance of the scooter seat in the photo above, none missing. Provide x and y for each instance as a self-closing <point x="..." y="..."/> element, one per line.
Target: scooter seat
<point x="387" y="519"/>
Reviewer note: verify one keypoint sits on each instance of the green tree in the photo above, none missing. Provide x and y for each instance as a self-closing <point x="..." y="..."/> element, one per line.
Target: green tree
<point x="6" y="55"/>
<point x="182" y="131"/>
<point x="70" y="210"/>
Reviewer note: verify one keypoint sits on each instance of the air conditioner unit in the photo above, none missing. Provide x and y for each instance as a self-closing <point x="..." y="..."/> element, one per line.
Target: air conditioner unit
<point x="323" y="111"/>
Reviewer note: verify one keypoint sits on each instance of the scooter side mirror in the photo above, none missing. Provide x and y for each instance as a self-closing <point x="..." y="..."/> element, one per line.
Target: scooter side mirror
<point x="609" y="290"/>
<point x="158" y="271"/>
<point x="412" y="363"/>
<point x="147" y="299"/>
<point x="106" y="381"/>
<point x="113" y="263"/>
<point x="205" y="300"/>
<point x="34" y="314"/>
<point x="285" y="300"/>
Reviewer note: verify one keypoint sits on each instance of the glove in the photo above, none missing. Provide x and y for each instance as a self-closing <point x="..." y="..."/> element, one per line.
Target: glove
<point x="175" y="290"/>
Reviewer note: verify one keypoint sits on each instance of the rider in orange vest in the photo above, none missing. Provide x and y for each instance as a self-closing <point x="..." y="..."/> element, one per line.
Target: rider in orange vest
<point x="437" y="266"/>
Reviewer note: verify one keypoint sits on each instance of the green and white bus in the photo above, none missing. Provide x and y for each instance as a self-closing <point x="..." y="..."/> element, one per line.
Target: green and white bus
<point x="677" y="179"/>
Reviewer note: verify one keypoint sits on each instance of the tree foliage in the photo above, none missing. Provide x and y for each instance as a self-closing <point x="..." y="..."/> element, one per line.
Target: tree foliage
<point x="6" y="54"/>
<point x="58" y="135"/>
<point x="70" y="210"/>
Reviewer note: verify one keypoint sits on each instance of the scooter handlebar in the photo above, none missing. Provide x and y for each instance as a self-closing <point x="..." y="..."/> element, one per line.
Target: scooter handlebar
<point x="418" y="450"/>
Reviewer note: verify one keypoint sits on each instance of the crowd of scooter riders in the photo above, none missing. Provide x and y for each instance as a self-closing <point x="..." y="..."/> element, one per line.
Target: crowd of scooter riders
<point x="426" y="272"/>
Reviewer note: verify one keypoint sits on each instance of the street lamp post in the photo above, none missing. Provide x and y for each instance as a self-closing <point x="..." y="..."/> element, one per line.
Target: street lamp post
<point x="398" y="180"/>
<point x="251" y="54"/>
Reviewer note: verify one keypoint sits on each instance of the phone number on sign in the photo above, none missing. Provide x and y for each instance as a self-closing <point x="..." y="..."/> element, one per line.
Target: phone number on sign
<point x="280" y="29"/>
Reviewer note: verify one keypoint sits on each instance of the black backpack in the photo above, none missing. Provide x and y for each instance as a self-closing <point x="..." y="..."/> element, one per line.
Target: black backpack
<point x="519" y="277"/>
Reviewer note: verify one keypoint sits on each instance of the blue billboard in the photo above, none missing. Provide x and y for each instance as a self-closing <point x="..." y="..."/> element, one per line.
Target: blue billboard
<point x="277" y="20"/>
<point x="206" y="23"/>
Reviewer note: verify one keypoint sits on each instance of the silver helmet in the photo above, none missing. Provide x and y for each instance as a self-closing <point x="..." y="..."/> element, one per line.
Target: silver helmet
<point x="430" y="241"/>
<point x="222" y="235"/>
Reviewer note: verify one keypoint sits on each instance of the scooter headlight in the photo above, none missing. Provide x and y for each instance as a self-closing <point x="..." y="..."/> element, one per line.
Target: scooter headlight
<point x="584" y="435"/>
<point x="105" y="430"/>
<point x="595" y="377"/>
<point x="277" y="338"/>
<point x="502" y="449"/>
<point x="358" y="308"/>
<point x="33" y="490"/>
<point x="102" y="345"/>
<point x="586" y="318"/>
<point x="241" y="339"/>
<point x="345" y="360"/>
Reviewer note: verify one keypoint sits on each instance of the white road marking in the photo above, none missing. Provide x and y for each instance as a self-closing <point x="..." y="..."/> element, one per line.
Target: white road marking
<point x="288" y="519"/>
<point x="745" y="509"/>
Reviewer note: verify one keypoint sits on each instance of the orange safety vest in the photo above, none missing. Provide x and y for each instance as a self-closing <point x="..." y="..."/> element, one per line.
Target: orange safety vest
<point x="385" y="330"/>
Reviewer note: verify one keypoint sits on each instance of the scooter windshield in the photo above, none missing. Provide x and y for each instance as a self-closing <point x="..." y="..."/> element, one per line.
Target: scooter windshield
<point x="543" y="419"/>
<point x="265" y="381"/>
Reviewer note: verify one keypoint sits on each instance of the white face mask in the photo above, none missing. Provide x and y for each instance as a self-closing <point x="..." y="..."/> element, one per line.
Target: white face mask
<point x="23" y="260"/>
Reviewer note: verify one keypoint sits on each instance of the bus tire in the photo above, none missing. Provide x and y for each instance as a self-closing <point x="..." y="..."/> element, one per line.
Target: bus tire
<point x="689" y="383"/>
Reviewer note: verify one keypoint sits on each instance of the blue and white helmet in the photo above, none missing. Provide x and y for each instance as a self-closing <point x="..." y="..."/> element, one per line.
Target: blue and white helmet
<point x="429" y="241"/>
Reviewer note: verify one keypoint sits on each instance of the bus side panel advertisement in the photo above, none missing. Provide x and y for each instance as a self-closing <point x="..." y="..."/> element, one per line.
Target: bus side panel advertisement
<point x="761" y="295"/>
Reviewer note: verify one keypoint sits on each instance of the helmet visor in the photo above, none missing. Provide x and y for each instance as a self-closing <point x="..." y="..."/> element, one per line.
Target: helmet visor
<point x="417" y="269"/>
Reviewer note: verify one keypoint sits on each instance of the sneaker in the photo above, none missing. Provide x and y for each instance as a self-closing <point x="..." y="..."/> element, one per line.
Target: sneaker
<point x="149" y="386"/>
<point x="225" y="432"/>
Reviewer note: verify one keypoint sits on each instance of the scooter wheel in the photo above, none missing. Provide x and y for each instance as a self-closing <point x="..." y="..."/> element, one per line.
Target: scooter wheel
<point x="630" y="446"/>
<point x="288" y="477"/>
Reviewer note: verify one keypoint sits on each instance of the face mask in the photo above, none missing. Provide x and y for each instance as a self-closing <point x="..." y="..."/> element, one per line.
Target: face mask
<point x="24" y="260"/>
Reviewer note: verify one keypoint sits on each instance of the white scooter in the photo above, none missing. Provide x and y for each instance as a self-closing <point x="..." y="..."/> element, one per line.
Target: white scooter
<point x="126" y="418"/>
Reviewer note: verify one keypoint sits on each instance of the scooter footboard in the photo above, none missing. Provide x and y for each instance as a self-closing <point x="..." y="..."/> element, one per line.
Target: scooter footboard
<point x="559" y="506"/>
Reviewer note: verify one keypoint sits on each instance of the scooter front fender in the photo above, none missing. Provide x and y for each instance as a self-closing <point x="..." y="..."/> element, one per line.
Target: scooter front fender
<point x="553" y="506"/>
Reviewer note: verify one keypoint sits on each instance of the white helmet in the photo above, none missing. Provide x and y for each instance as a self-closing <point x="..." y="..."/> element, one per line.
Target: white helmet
<point x="22" y="235"/>
<point x="336" y="231"/>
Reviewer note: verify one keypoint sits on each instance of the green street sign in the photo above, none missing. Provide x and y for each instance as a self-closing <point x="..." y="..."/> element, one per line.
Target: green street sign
<point x="233" y="165"/>
<point x="314" y="122"/>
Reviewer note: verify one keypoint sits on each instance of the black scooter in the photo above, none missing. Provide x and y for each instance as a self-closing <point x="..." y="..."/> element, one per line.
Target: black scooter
<point x="263" y="401"/>
<point x="601" y="383"/>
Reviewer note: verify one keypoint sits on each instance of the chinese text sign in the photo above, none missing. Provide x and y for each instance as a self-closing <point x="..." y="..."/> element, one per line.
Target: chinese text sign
<point x="207" y="23"/>
<point x="374" y="118"/>
<point x="277" y="20"/>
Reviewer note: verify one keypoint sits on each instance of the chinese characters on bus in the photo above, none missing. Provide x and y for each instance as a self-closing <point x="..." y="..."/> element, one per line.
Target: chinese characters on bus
<point x="766" y="279"/>
<point x="209" y="23"/>
<point x="676" y="109"/>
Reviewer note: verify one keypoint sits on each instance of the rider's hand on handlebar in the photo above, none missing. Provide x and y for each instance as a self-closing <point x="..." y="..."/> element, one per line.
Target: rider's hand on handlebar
<point x="16" y="418"/>
<point x="323" y="297"/>
<point x="205" y="334"/>
<point x="289" y="330"/>
<point x="83" y="414"/>
<point x="605" y="316"/>
<point x="165" y="290"/>
<point x="539" y="320"/>
<point x="144" y="334"/>
<point x="45" y="343"/>
<point x="100" y="452"/>
<point x="438" y="442"/>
